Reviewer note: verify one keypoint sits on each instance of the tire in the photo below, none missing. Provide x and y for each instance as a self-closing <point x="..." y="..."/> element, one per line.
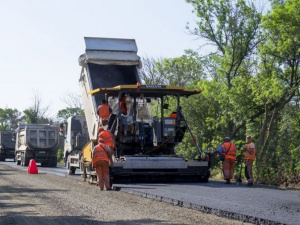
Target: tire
<point x="22" y="159"/>
<point x="18" y="163"/>
<point x="26" y="160"/>
<point x="205" y="178"/>
<point x="52" y="162"/>
<point x="2" y="158"/>
<point x="71" y="169"/>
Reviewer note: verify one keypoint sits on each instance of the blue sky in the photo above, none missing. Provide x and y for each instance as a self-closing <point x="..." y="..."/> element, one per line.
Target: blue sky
<point x="41" y="41"/>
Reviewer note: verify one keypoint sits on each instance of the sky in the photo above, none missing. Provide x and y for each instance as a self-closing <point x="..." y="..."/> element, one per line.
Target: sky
<point x="41" y="41"/>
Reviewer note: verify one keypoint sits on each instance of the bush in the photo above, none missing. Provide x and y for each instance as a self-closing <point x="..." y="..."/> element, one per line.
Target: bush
<point x="60" y="156"/>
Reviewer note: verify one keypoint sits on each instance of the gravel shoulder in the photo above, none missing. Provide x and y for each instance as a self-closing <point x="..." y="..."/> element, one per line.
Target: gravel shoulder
<point x="49" y="199"/>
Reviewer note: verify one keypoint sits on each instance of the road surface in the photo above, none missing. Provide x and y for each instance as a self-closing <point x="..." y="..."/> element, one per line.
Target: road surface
<point x="258" y="205"/>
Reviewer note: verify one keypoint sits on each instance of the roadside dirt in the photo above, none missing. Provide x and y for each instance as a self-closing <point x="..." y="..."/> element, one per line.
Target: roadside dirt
<point x="47" y="199"/>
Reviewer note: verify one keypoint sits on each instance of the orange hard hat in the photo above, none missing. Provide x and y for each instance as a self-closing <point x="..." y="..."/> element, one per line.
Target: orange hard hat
<point x="100" y="129"/>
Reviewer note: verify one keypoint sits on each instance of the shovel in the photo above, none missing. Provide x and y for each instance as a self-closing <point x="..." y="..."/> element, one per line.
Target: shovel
<point x="239" y="181"/>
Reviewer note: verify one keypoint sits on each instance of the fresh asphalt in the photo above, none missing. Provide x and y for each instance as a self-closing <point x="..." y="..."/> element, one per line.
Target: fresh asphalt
<point x="258" y="205"/>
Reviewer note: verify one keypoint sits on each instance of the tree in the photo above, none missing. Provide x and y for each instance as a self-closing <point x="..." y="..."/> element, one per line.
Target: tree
<point x="73" y="101"/>
<point x="9" y="118"/>
<point x="279" y="78"/>
<point x="67" y="112"/>
<point x="233" y="27"/>
<point x="37" y="113"/>
<point x="183" y="70"/>
<point x="149" y="73"/>
<point x="179" y="71"/>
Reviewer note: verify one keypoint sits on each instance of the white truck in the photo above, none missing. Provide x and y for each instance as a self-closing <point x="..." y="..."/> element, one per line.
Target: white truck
<point x="75" y="137"/>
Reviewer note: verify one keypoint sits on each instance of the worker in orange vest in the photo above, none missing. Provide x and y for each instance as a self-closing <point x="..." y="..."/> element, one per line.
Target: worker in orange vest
<point x="249" y="150"/>
<point x="173" y="115"/>
<point x="227" y="153"/>
<point x="108" y="139"/>
<point x="123" y="104"/>
<point x="104" y="112"/>
<point x="101" y="162"/>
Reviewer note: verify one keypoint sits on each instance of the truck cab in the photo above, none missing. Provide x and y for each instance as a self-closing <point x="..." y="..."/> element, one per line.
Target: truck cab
<point x="76" y="136"/>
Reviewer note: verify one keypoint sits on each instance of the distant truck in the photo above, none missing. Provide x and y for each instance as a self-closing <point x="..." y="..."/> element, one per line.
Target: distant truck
<point x="75" y="137"/>
<point x="38" y="142"/>
<point x="7" y="145"/>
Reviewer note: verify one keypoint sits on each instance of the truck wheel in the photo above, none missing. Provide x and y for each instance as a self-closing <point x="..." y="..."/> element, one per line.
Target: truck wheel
<point x="17" y="161"/>
<point x="22" y="159"/>
<point x="206" y="177"/>
<point x="52" y="162"/>
<point x="2" y="158"/>
<point x="71" y="169"/>
<point x="26" y="160"/>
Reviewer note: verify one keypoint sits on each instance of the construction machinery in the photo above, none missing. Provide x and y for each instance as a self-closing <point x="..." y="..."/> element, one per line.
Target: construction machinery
<point x="145" y="140"/>
<point x="38" y="142"/>
<point x="75" y="137"/>
<point x="7" y="145"/>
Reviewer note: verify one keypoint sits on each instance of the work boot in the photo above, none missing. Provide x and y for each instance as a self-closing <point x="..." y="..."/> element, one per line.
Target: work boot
<point x="228" y="181"/>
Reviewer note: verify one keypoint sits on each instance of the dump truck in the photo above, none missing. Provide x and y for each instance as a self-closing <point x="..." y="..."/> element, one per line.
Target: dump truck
<point x="7" y="145"/>
<point x="75" y="137"/>
<point x="38" y="142"/>
<point x="145" y="141"/>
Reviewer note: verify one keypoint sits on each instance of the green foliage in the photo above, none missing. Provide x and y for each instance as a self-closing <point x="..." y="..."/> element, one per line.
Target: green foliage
<point x="33" y="117"/>
<point x="60" y="156"/>
<point x="9" y="118"/>
<point x="183" y="70"/>
<point x="67" y="112"/>
<point x="233" y="27"/>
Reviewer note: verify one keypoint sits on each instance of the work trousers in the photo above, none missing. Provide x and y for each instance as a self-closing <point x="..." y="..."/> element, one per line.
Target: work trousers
<point x="228" y="166"/>
<point x="102" y="171"/>
<point x="103" y="122"/>
<point x="249" y="164"/>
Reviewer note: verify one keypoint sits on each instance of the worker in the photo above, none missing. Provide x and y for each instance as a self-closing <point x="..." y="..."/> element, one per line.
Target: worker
<point x="123" y="104"/>
<point x="228" y="154"/>
<point x="173" y="115"/>
<point x="108" y="139"/>
<point x="61" y="129"/>
<point x="249" y="150"/>
<point x="104" y="112"/>
<point x="101" y="162"/>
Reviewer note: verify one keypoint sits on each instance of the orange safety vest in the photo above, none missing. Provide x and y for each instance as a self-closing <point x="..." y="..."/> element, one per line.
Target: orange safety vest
<point x="249" y="155"/>
<point x="103" y="111"/>
<point x="230" y="147"/>
<point x="173" y="115"/>
<point x="107" y="138"/>
<point x="123" y="106"/>
<point x="100" y="153"/>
